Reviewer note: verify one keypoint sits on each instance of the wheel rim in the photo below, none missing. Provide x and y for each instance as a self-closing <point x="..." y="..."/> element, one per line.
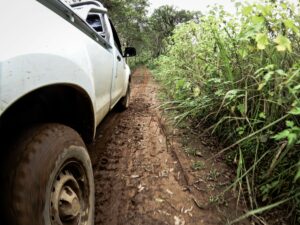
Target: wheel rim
<point x="69" y="200"/>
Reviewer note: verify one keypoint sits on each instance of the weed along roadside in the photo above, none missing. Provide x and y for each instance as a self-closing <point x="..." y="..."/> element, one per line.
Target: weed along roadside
<point x="148" y="172"/>
<point x="239" y="80"/>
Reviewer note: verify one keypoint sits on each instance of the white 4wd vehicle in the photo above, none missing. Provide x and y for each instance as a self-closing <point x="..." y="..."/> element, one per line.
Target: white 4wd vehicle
<point x="61" y="71"/>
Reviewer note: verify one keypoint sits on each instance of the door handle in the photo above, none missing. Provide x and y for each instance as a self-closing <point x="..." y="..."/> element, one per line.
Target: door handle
<point x="119" y="58"/>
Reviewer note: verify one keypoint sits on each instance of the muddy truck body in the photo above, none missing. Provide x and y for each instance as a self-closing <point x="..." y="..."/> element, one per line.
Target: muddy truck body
<point x="62" y="70"/>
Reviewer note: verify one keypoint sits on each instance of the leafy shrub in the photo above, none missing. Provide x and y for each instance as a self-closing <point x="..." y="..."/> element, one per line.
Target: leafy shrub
<point x="239" y="75"/>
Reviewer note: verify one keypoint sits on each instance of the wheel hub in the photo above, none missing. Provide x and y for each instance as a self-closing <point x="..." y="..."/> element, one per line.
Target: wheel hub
<point x="69" y="205"/>
<point x="66" y="203"/>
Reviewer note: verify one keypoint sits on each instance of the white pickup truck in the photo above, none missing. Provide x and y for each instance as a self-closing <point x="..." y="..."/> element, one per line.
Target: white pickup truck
<point x="62" y="70"/>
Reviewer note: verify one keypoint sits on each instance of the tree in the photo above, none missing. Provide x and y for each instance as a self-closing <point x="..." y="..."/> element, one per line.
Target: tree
<point x="129" y="18"/>
<point x="162" y="23"/>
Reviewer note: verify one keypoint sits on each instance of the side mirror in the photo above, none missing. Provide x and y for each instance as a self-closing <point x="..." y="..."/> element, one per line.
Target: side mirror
<point x="129" y="52"/>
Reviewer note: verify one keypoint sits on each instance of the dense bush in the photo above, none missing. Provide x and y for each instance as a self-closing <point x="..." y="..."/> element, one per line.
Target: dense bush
<point x="239" y="75"/>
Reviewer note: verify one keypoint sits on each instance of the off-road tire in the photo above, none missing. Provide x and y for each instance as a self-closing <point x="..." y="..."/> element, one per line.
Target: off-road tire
<point x="45" y="158"/>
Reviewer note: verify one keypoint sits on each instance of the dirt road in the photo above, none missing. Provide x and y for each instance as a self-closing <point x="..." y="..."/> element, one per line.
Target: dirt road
<point x="143" y="176"/>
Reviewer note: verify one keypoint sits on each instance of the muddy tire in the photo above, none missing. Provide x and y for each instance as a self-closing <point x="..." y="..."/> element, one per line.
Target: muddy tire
<point x="50" y="179"/>
<point x="125" y="101"/>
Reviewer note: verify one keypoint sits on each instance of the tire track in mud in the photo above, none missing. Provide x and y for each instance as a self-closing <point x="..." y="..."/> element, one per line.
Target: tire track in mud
<point x="117" y="137"/>
<point x="139" y="177"/>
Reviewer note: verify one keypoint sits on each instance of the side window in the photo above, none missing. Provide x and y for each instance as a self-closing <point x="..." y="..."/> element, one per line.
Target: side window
<point x="116" y="38"/>
<point x="96" y="21"/>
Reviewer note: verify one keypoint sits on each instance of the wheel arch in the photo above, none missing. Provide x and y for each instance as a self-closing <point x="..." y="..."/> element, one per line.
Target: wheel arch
<point x="58" y="103"/>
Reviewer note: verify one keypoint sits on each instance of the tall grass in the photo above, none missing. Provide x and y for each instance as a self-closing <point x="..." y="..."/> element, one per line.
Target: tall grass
<point x="239" y="75"/>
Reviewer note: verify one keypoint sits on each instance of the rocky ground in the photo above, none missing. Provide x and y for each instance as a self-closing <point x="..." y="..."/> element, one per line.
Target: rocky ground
<point x="143" y="174"/>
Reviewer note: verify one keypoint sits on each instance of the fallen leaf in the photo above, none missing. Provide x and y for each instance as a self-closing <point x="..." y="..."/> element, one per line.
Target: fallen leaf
<point x="164" y="212"/>
<point x="140" y="188"/>
<point x="160" y="140"/>
<point x="188" y="210"/>
<point x="164" y="173"/>
<point x="198" y="153"/>
<point x="159" y="200"/>
<point x="179" y="221"/>
<point x="169" y="192"/>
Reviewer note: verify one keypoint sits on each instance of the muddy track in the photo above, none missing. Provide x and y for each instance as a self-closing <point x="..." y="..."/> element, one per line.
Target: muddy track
<point x="139" y="177"/>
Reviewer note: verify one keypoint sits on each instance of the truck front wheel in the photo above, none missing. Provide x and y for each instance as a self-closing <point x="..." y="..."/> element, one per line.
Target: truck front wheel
<point x="50" y="179"/>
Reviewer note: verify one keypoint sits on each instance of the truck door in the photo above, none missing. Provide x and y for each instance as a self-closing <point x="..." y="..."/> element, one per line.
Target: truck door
<point x="102" y="63"/>
<point x="120" y="76"/>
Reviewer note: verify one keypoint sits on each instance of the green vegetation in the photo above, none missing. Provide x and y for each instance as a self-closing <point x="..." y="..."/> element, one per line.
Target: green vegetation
<point x="239" y="77"/>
